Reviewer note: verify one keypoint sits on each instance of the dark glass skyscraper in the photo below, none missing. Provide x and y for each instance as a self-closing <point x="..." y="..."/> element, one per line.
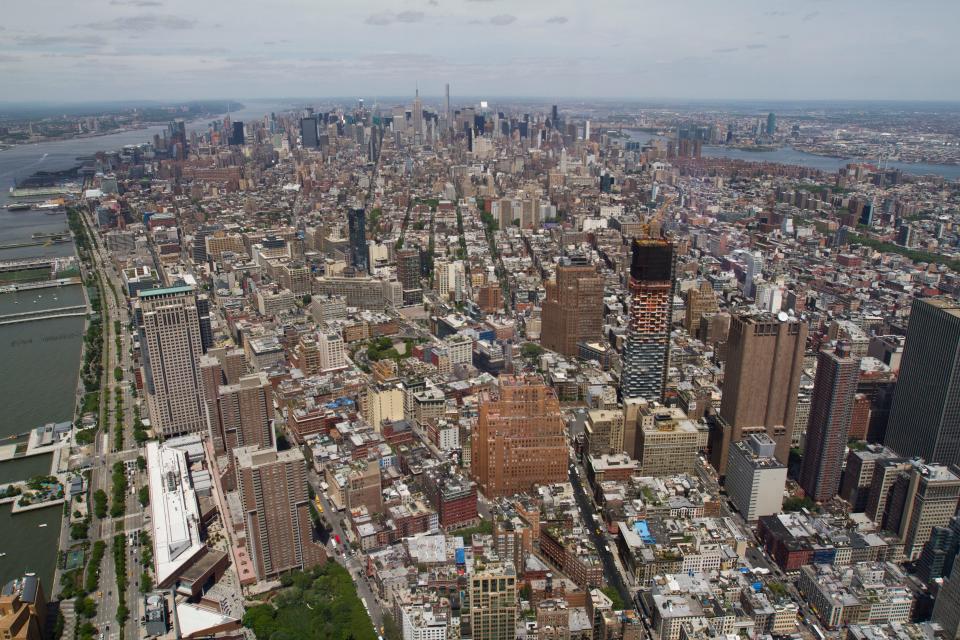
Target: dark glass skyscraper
<point x="357" y="220"/>
<point x="925" y="415"/>
<point x="237" y="136"/>
<point x="647" y="349"/>
<point x="308" y="133"/>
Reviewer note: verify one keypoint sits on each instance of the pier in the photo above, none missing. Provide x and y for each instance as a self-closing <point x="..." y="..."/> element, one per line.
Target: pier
<point x="44" y="314"/>
<point x="29" y="286"/>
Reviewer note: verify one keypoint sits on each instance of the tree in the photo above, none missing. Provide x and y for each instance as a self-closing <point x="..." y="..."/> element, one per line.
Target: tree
<point x="100" y="503"/>
<point x="144" y="496"/>
<point x="391" y="630"/>
<point x="146" y="582"/>
<point x="141" y="463"/>
<point x="614" y="596"/>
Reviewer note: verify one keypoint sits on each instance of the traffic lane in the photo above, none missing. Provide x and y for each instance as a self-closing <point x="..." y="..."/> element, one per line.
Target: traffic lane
<point x="592" y="522"/>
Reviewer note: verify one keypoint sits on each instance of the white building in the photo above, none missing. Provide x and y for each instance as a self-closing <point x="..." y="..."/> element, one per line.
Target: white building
<point x="333" y="356"/>
<point x="420" y="622"/>
<point x="755" y="478"/>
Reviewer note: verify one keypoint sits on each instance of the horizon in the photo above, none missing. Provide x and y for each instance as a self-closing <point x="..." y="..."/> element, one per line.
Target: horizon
<point x="175" y="50"/>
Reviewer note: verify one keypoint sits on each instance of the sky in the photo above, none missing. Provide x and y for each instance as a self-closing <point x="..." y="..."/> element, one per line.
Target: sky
<point x="73" y="50"/>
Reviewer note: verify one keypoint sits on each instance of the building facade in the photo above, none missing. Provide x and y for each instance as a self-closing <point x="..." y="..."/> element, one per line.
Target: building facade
<point x="519" y="438"/>
<point x="647" y="348"/>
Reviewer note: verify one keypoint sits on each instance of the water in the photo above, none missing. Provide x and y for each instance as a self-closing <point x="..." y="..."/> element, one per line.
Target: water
<point x="789" y="155"/>
<point x="40" y="361"/>
<point x="22" y="161"/>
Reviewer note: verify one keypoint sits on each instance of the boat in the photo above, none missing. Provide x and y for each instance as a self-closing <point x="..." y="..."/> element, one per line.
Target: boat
<point x="19" y="206"/>
<point x="42" y="525"/>
<point x="2" y="553"/>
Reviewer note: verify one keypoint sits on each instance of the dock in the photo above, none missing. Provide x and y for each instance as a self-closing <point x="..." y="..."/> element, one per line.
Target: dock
<point x="44" y="314"/>
<point x="29" y="286"/>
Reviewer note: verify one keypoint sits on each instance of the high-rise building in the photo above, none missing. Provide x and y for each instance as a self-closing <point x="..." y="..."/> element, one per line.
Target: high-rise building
<point x="237" y="137"/>
<point x="605" y="431"/>
<point x="923" y="496"/>
<point x="408" y="273"/>
<point x="519" y="438"/>
<point x="446" y="107"/>
<point x="925" y="415"/>
<point x="23" y="609"/>
<point x="771" y="124"/>
<point x="573" y="310"/>
<point x="417" y="114"/>
<point x="492" y="602"/>
<point x="276" y="510"/>
<point x="700" y="301"/>
<point x="760" y="382"/>
<point x="647" y="348"/>
<point x="755" y="478"/>
<point x="858" y="475"/>
<point x="332" y="353"/>
<point x="834" y="389"/>
<point x="245" y="410"/>
<point x="170" y="335"/>
<point x="946" y="608"/>
<point x="308" y="133"/>
<point x="359" y="255"/>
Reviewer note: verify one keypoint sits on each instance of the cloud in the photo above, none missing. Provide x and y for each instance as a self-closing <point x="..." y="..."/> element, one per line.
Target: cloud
<point x="38" y="40"/>
<point x="810" y="16"/>
<point x="503" y="19"/>
<point x="778" y="14"/>
<point x="385" y="18"/>
<point x="756" y="46"/>
<point x="726" y="50"/>
<point x="143" y="22"/>
<point x="136" y="3"/>
<point x="557" y="20"/>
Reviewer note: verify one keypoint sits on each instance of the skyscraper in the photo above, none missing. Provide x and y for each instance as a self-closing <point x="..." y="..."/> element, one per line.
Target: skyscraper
<point x="771" y="124"/>
<point x="408" y="273"/>
<point x="834" y="389"/>
<point x="245" y="411"/>
<point x="925" y="415"/>
<point x="519" y="441"/>
<point x="417" y="115"/>
<point x="446" y="107"/>
<point x="276" y="510"/>
<point x="170" y="335"/>
<point x="647" y="349"/>
<point x="308" y="133"/>
<point x="573" y="310"/>
<point x="760" y="382"/>
<point x="237" y="136"/>
<point x="357" y="222"/>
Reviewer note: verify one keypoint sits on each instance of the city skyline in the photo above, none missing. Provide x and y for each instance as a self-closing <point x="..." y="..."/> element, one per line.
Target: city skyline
<point x="153" y="49"/>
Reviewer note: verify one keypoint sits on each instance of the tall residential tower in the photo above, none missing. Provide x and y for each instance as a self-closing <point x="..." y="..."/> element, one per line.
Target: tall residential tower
<point x="647" y="349"/>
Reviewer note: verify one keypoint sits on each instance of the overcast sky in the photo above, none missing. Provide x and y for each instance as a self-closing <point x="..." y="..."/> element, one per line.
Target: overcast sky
<point x="78" y="50"/>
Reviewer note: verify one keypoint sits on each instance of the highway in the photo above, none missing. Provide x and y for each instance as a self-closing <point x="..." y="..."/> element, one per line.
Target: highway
<point x="106" y="455"/>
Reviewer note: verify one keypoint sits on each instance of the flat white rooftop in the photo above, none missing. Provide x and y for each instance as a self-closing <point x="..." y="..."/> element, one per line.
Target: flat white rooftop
<point x="176" y="513"/>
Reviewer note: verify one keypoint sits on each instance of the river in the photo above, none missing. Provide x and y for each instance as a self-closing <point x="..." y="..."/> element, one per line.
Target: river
<point x="789" y="155"/>
<point x="39" y="361"/>
<point x="22" y="161"/>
